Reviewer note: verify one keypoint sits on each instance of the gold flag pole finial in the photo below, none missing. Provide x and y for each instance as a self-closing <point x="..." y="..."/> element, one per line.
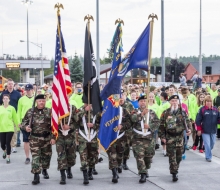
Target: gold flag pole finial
<point x="119" y="21"/>
<point x="58" y="6"/>
<point x="151" y="16"/>
<point x="88" y="17"/>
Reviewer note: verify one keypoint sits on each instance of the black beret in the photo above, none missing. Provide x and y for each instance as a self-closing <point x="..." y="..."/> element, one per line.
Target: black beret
<point x="40" y="96"/>
<point x="142" y="97"/>
<point x="174" y="97"/>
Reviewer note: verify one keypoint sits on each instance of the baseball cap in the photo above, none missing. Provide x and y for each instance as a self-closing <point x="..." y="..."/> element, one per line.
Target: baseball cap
<point x="28" y="87"/>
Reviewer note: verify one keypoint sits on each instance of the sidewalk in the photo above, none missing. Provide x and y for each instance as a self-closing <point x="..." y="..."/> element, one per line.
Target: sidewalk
<point x="194" y="174"/>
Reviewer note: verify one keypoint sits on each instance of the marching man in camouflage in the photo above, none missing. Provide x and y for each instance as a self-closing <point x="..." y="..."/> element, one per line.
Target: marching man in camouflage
<point x="143" y="143"/>
<point x="66" y="146"/>
<point x="40" y="138"/>
<point x="87" y="138"/>
<point x="116" y="150"/>
<point x="171" y="132"/>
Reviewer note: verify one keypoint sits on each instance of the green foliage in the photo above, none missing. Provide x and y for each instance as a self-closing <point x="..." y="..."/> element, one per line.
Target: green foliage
<point x="13" y="74"/>
<point x="49" y="70"/>
<point x="76" y="73"/>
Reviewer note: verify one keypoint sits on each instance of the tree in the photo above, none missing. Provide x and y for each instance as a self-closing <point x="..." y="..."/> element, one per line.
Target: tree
<point x="179" y="68"/>
<point x="76" y="73"/>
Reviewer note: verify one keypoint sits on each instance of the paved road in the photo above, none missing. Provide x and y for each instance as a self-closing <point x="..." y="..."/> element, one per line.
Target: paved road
<point x="194" y="174"/>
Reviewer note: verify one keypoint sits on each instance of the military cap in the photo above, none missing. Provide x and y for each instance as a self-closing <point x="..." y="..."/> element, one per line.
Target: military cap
<point x="174" y="97"/>
<point x="28" y="87"/>
<point x="142" y="97"/>
<point x="40" y="96"/>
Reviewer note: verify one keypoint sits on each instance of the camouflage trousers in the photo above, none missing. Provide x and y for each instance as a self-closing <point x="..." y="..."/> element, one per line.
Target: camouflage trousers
<point x="41" y="152"/>
<point x="115" y="152"/>
<point x="66" y="151"/>
<point x="175" y="157"/>
<point x="128" y="144"/>
<point x="144" y="150"/>
<point x="88" y="152"/>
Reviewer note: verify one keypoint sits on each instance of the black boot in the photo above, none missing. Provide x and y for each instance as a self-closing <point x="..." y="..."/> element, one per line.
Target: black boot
<point x="69" y="173"/>
<point x="36" y="179"/>
<point x="125" y="167"/>
<point x="94" y="172"/>
<point x="90" y="174"/>
<point x="63" y="177"/>
<point x="86" y="179"/>
<point x="45" y="174"/>
<point x="175" y="177"/>
<point x="120" y="169"/>
<point x="115" y="176"/>
<point x="143" y="178"/>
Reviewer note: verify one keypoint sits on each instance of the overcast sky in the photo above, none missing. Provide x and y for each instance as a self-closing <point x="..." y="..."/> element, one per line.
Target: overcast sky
<point x="181" y="25"/>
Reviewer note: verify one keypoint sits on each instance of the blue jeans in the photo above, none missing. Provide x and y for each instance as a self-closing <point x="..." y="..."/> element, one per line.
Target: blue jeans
<point x="209" y="141"/>
<point x="18" y="138"/>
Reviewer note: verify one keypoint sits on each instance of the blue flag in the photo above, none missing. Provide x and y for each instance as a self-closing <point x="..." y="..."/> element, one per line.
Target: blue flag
<point x="137" y="57"/>
<point x="110" y="114"/>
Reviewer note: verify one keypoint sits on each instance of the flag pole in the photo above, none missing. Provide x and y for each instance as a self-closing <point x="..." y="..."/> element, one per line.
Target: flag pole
<point x="58" y="6"/>
<point x="89" y="17"/>
<point x="152" y="16"/>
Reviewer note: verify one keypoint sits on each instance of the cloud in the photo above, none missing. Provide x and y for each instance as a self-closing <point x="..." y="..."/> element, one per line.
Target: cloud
<point x="181" y="25"/>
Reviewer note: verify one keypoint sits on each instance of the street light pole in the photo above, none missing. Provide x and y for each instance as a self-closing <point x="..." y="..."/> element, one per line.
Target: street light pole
<point x="200" y="41"/>
<point x="97" y="40"/>
<point x="162" y="41"/>
<point x="27" y="36"/>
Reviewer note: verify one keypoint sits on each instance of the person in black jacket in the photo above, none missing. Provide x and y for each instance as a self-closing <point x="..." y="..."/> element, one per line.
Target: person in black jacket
<point x="216" y="103"/>
<point x="206" y="120"/>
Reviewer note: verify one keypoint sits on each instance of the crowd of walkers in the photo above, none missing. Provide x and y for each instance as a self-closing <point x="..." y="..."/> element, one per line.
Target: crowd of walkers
<point x="201" y="105"/>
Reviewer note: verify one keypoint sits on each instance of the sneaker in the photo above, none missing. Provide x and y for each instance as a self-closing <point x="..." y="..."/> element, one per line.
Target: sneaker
<point x="201" y="151"/>
<point x="18" y="145"/>
<point x="4" y="155"/>
<point x="27" y="161"/>
<point x="183" y="156"/>
<point x="194" y="147"/>
<point x="164" y="152"/>
<point x="208" y="160"/>
<point x="8" y="161"/>
<point x="13" y="150"/>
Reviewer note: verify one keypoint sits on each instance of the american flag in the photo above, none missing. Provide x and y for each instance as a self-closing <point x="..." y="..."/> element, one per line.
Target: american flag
<point x="61" y="83"/>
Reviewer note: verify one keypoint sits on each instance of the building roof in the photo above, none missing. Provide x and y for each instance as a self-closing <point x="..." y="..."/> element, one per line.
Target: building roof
<point x="214" y="64"/>
<point x="105" y="68"/>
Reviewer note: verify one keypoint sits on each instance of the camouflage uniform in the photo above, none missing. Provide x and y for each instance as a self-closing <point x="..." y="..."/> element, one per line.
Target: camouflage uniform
<point x="88" y="150"/>
<point x="66" y="146"/>
<point x="172" y="129"/>
<point x="144" y="146"/>
<point x="116" y="150"/>
<point x="39" y="138"/>
<point x="128" y="135"/>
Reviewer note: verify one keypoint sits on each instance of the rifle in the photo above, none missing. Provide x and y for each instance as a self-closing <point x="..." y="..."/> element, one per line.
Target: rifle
<point x="183" y="115"/>
<point x="32" y="109"/>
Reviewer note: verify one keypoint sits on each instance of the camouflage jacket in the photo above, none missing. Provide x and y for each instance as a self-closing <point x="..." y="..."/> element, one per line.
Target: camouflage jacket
<point x="172" y="126"/>
<point x="66" y="119"/>
<point x="41" y="120"/>
<point x="127" y="108"/>
<point x="136" y="119"/>
<point x="78" y="116"/>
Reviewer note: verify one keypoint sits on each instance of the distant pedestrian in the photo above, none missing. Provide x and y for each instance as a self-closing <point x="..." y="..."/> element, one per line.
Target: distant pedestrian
<point x="206" y="120"/>
<point x="8" y="118"/>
